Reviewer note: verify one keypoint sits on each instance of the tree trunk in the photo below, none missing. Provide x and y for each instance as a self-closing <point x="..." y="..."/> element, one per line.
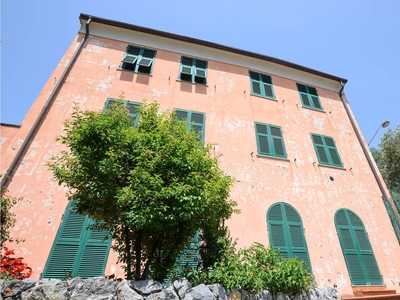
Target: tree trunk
<point x="128" y="253"/>
<point x="138" y="252"/>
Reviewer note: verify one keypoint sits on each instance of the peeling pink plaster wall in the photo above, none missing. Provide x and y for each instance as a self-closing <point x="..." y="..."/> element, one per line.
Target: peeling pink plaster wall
<point x="230" y="115"/>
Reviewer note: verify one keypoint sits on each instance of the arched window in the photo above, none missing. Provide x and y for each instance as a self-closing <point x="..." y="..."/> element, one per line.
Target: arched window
<point x="77" y="250"/>
<point x="357" y="251"/>
<point x="286" y="232"/>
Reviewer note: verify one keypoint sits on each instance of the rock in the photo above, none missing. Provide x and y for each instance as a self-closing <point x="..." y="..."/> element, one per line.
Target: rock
<point x="200" y="292"/>
<point x="219" y="291"/>
<point x="12" y="288"/>
<point x="263" y="295"/>
<point x="49" y="289"/>
<point x="168" y="293"/>
<point x="146" y="287"/>
<point x="281" y="296"/>
<point x="125" y="292"/>
<point x="97" y="288"/>
<point x="181" y="286"/>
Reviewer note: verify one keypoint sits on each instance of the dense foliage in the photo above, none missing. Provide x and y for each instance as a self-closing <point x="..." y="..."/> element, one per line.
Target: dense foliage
<point x="150" y="181"/>
<point x="254" y="269"/>
<point x="7" y="217"/>
<point x="388" y="158"/>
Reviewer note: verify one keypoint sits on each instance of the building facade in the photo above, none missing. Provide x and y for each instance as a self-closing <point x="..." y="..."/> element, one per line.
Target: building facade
<point x="305" y="181"/>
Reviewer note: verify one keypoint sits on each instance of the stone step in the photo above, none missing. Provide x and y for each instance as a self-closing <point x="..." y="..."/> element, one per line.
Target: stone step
<point x="383" y="296"/>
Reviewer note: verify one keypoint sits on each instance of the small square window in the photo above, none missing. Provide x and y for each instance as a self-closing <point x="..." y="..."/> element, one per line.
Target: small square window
<point x="326" y="150"/>
<point x="193" y="70"/>
<point x="270" y="140"/>
<point x="138" y="60"/>
<point x="132" y="107"/>
<point x="261" y="85"/>
<point x="309" y="96"/>
<point x="196" y="120"/>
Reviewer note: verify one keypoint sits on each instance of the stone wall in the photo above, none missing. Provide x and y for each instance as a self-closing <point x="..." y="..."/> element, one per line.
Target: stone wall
<point x="100" y="288"/>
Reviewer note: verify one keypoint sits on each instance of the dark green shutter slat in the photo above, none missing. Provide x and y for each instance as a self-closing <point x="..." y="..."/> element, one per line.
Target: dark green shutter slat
<point x="129" y="59"/>
<point x="317" y="139"/>
<point x="302" y="88"/>
<point x="190" y="256"/>
<point x="354" y="219"/>
<point x="275" y="213"/>
<point x="182" y="115"/>
<point x="335" y="157"/>
<point x="347" y="239"/>
<point x="268" y="90"/>
<point x="341" y="218"/>
<point x="73" y="226"/>
<point x="296" y="235"/>
<point x="133" y="50"/>
<point x="278" y="146"/>
<point x="197" y="118"/>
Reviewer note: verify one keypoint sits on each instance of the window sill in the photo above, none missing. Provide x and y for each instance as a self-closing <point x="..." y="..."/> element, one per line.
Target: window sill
<point x="195" y="83"/>
<point x="123" y="70"/>
<point x="273" y="157"/>
<point x="330" y="166"/>
<point x="314" y="109"/>
<point x="264" y="97"/>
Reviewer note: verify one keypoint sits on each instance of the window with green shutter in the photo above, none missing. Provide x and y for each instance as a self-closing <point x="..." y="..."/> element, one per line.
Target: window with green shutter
<point x="77" y="250"/>
<point x="286" y="232"/>
<point x="193" y="70"/>
<point x="269" y="140"/>
<point x="357" y="250"/>
<point x="138" y="60"/>
<point x="190" y="256"/>
<point x="196" y="120"/>
<point x="261" y="85"/>
<point x="326" y="150"/>
<point x="309" y="96"/>
<point x="132" y="107"/>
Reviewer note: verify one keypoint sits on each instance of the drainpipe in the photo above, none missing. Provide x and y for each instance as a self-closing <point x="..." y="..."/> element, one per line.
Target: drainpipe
<point x="32" y="133"/>
<point x="368" y="155"/>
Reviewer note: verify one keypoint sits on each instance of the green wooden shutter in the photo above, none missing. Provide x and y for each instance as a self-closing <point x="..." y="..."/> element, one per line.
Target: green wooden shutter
<point x="200" y="72"/>
<point x="255" y="83"/>
<point x="286" y="232"/>
<point x="70" y="248"/>
<point x="95" y="254"/>
<point x="333" y="153"/>
<point x="197" y="120"/>
<point x="190" y="256"/>
<point x="277" y="141"/>
<point x="357" y="250"/>
<point x="262" y="139"/>
<point x="186" y="69"/>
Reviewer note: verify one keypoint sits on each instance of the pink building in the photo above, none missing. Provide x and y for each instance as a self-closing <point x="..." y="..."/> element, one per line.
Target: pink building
<point x="304" y="177"/>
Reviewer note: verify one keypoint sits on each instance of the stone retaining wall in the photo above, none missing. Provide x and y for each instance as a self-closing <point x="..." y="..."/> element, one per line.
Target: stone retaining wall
<point x="100" y="288"/>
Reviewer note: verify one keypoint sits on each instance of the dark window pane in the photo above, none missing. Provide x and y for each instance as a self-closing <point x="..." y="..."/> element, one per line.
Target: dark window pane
<point x="317" y="139"/>
<point x="268" y="90"/>
<point x="182" y="115"/>
<point x="264" y="147"/>
<point x="256" y="87"/>
<point x="305" y="99"/>
<point x="276" y="131"/>
<point x="278" y="146"/>
<point x="201" y="80"/>
<point x="187" y="61"/>
<point x="315" y="101"/>
<point x="186" y="77"/>
<point x="266" y="79"/>
<point x="254" y="76"/>
<point x="302" y="88"/>
<point x="260" y="128"/>
<point x="148" y="53"/>
<point x="198" y="118"/>
<point x="127" y="66"/>
<point x="334" y="156"/>
<point x="201" y="64"/>
<point x="133" y="50"/>
<point x="312" y="91"/>
<point x="322" y="155"/>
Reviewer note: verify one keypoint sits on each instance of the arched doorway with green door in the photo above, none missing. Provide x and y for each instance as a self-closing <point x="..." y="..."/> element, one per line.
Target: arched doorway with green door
<point x="357" y="251"/>
<point x="286" y="232"/>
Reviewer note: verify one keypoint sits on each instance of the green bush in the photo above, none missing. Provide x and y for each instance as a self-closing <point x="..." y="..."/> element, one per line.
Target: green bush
<point x="254" y="269"/>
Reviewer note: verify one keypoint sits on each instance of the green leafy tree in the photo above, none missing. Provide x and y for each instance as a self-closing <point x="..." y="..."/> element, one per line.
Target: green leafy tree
<point x="388" y="158"/>
<point x="150" y="182"/>
<point x="7" y="217"/>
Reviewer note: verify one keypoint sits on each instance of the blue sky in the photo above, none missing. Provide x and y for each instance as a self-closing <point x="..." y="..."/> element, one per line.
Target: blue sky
<point x="358" y="40"/>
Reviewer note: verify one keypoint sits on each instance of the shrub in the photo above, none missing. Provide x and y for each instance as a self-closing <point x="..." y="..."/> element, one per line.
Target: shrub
<point x="254" y="269"/>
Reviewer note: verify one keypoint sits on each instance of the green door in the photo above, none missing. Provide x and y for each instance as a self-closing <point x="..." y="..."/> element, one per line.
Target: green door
<point x="77" y="250"/>
<point x="286" y="232"/>
<point x="357" y="251"/>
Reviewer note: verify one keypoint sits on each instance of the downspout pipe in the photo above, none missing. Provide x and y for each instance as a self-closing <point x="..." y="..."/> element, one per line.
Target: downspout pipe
<point x="5" y="181"/>
<point x="367" y="154"/>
